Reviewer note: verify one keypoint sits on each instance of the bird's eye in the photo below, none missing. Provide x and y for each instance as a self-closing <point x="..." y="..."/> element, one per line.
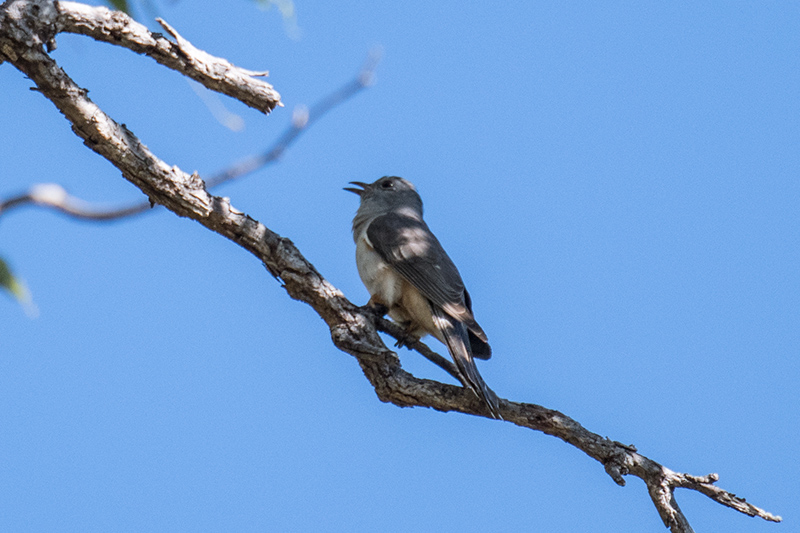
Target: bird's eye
<point x="387" y="184"/>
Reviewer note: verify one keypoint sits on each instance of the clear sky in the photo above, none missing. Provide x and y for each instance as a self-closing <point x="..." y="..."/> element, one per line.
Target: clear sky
<point x="618" y="183"/>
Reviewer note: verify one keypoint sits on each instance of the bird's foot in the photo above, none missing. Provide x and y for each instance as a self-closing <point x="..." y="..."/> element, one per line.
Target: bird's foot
<point x="376" y="308"/>
<point x="407" y="338"/>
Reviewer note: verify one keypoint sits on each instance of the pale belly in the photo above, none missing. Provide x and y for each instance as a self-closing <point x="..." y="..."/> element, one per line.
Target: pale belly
<point x="407" y="306"/>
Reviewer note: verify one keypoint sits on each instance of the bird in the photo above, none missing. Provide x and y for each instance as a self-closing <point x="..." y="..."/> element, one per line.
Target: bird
<point x="409" y="275"/>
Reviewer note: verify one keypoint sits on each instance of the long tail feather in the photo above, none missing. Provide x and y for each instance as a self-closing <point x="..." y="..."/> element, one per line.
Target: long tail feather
<point x="458" y="344"/>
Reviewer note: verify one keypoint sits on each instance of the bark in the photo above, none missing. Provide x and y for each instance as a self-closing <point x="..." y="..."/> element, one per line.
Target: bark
<point x="27" y="32"/>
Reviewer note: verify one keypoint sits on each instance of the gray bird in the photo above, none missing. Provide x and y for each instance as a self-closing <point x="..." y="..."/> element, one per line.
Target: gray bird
<point x="408" y="274"/>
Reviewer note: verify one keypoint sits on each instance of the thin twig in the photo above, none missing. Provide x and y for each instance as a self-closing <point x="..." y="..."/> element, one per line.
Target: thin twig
<point x="23" y="31"/>
<point x="396" y="331"/>
<point x="54" y="196"/>
<point x="217" y="74"/>
<point x="302" y="119"/>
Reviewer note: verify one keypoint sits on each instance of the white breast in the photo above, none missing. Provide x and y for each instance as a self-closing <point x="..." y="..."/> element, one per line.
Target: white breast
<point x="382" y="282"/>
<point x="406" y="304"/>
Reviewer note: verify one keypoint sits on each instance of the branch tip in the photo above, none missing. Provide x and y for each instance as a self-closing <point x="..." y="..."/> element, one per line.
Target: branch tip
<point x="613" y="469"/>
<point x="170" y="187"/>
<point x="367" y="75"/>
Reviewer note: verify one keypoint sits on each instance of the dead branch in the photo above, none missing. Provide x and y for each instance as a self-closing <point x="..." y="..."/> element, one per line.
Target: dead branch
<point x="54" y="196"/>
<point x="26" y="26"/>
<point x="117" y="28"/>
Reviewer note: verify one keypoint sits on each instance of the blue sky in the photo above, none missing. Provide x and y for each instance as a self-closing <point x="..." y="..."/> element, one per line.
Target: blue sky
<point x="617" y="182"/>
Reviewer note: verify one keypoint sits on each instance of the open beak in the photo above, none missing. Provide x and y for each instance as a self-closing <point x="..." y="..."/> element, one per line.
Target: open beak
<point x="357" y="191"/>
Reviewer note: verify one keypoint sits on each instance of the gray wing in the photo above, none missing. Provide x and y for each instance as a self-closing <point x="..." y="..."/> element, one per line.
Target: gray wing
<point x="410" y="247"/>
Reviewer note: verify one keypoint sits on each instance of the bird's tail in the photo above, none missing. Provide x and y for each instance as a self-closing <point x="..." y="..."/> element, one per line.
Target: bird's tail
<point x="456" y="338"/>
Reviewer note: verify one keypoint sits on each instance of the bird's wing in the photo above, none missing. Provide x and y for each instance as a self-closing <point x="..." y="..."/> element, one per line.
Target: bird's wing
<point x="413" y="250"/>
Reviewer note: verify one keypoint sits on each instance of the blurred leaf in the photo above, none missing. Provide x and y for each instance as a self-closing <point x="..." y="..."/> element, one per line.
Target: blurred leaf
<point x="121" y="5"/>
<point x="286" y="8"/>
<point x="17" y="289"/>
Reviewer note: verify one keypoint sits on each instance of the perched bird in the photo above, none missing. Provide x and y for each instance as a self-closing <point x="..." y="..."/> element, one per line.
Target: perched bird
<point x="408" y="274"/>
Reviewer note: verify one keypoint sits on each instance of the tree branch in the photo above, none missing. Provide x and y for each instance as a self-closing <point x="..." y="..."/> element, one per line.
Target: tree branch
<point x="56" y="197"/>
<point x="115" y="27"/>
<point x="24" y="31"/>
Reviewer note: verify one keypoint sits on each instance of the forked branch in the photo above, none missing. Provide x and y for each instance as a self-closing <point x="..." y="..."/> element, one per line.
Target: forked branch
<point x="54" y="196"/>
<point x="24" y="32"/>
<point x="217" y="74"/>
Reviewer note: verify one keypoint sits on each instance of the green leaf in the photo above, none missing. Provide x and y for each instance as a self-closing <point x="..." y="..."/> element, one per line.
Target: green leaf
<point x="121" y="5"/>
<point x="17" y="289"/>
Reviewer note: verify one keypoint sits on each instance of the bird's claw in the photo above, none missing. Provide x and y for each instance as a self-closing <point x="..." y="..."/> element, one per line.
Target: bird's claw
<point x="376" y="308"/>
<point x="406" y="339"/>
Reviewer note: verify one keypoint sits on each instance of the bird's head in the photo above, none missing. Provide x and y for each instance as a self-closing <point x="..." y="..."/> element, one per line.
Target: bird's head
<point x="389" y="193"/>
